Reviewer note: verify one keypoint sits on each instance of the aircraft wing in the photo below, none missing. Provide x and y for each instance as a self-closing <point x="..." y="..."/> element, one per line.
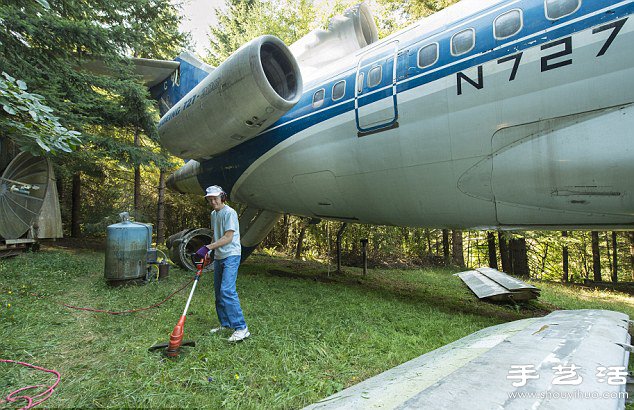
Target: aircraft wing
<point x="575" y="359"/>
<point x="153" y="72"/>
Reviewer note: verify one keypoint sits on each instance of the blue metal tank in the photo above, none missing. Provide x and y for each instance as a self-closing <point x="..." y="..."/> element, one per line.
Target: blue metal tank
<point x="127" y="244"/>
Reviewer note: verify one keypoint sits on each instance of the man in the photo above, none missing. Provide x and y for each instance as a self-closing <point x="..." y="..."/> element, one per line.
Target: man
<point x="227" y="253"/>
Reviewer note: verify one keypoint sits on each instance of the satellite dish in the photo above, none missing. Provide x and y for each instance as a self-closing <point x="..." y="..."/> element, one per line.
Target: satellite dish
<point x="22" y="189"/>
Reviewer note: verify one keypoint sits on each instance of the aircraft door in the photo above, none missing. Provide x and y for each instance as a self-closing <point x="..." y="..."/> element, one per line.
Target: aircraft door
<point x="375" y="102"/>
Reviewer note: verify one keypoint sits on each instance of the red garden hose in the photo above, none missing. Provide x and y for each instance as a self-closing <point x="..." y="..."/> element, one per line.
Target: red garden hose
<point x="30" y="400"/>
<point x="13" y="396"/>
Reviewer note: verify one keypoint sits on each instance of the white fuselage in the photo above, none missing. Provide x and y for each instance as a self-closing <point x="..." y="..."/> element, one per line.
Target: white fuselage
<point x="550" y="148"/>
<point x="528" y="130"/>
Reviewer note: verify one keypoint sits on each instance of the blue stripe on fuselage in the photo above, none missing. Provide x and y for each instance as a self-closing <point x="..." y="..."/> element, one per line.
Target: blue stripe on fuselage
<point x="229" y="166"/>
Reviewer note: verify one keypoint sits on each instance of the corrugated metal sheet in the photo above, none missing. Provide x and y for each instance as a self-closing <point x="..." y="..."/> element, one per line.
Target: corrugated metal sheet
<point x="481" y="285"/>
<point x="491" y="284"/>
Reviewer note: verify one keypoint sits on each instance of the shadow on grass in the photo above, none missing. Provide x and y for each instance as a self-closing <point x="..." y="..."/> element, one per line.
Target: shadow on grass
<point x="453" y="298"/>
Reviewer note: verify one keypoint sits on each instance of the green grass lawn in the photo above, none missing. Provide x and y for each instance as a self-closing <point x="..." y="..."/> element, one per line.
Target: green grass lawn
<point x="313" y="334"/>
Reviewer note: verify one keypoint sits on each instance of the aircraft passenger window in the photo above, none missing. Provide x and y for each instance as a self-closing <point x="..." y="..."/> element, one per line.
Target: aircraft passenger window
<point x="462" y="42"/>
<point x="428" y="55"/>
<point x="338" y="90"/>
<point x="374" y="76"/>
<point x="507" y="24"/>
<point x="556" y="9"/>
<point x="360" y="83"/>
<point x="318" y="98"/>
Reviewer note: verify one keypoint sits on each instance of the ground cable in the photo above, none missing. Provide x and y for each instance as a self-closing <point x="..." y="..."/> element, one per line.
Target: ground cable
<point x="12" y="397"/>
<point x="131" y="310"/>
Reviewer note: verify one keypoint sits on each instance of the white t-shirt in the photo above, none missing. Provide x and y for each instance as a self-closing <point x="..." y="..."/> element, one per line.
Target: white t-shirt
<point x="222" y="221"/>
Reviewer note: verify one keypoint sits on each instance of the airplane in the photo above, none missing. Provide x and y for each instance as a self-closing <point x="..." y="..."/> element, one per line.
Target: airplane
<point x="513" y="114"/>
<point x="503" y="114"/>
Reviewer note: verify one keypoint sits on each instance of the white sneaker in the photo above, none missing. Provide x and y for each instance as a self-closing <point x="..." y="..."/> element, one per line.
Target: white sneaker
<point x="217" y="329"/>
<point x="239" y="335"/>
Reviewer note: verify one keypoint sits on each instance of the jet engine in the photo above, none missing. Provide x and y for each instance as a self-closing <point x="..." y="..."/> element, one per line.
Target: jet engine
<point x="247" y="93"/>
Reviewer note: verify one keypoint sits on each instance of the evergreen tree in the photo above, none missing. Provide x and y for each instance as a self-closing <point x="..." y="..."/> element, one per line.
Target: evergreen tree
<point x="49" y="49"/>
<point x="243" y="21"/>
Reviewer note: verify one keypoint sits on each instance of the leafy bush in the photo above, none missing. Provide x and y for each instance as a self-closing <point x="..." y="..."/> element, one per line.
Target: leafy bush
<point x="30" y="122"/>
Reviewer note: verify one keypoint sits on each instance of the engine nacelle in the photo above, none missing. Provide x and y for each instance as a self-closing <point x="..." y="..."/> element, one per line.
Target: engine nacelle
<point x="346" y="35"/>
<point x="251" y="90"/>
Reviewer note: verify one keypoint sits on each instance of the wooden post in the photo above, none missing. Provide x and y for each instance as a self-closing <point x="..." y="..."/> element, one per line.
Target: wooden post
<point x="631" y="236"/>
<point x="615" y="271"/>
<point x="339" y="236"/>
<point x="596" y="256"/>
<point x="564" y="257"/>
<point x="364" y="254"/>
<point x="300" y="240"/>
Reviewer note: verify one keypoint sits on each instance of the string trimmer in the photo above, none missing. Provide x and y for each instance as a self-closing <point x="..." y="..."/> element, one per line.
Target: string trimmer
<point x="172" y="348"/>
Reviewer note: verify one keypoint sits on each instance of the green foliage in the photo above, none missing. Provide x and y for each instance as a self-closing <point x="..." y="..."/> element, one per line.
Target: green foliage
<point x="30" y="122"/>
<point x="413" y="10"/>
<point x="245" y="20"/>
<point x="48" y="51"/>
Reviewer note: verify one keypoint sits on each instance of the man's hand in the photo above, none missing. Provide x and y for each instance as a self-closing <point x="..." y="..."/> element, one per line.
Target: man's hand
<point x="202" y="252"/>
<point x="207" y="259"/>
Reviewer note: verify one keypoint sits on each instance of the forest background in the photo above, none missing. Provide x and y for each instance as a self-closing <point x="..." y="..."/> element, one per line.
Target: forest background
<point x="101" y="134"/>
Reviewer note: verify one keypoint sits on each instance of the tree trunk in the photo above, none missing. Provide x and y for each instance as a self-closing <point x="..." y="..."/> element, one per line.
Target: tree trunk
<point x="285" y="227"/>
<point x="137" y="179"/>
<point x="428" y="237"/>
<point x="504" y="254"/>
<point x="445" y="247"/>
<point x="564" y="257"/>
<point x="596" y="256"/>
<point x="584" y="258"/>
<point x="615" y="259"/>
<point x="468" y="248"/>
<point x="300" y="241"/>
<point x="493" y="259"/>
<point x="457" y="250"/>
<point x="519" y="257"/>
<point x="160" y="209"/>
<point x="75" y="213"/>
<point x="608" y="245"/>
<point x="61" y="193"/>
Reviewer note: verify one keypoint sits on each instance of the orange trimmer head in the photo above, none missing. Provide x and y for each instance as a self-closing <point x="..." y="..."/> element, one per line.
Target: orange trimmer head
<point x="172" y="348"/>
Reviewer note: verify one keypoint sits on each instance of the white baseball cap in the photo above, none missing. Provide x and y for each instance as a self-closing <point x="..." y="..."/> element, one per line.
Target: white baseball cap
<point x="214" y="190"/>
